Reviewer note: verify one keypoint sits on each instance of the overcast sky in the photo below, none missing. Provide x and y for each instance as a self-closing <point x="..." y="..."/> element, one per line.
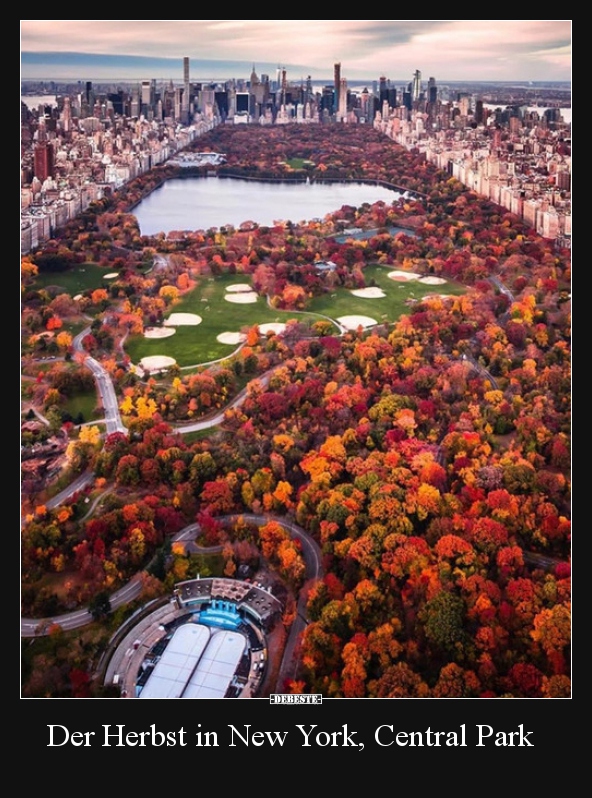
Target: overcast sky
<point x="506" y="50"/>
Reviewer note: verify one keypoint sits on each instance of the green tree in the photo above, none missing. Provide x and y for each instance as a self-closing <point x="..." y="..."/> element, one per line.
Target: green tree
<point x="100" y="605"/>
<point x="443" y="620"/>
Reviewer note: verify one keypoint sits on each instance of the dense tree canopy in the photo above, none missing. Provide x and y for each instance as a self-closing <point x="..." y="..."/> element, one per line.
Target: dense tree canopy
<point x="429" y="457"/>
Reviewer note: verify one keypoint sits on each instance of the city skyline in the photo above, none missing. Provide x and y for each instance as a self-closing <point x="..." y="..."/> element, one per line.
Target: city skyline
<point x="485" y="50"/>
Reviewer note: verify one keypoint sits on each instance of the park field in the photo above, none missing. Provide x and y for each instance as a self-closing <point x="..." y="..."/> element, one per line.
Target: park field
<point x="195" y="344"/>
<point x="192" y="345"/>
<point x="341" y="302"/>
<point x="75" y="280"/>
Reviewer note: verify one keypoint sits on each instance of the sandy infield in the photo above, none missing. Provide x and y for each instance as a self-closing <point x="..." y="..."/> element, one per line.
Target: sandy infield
<point x="372" y="292"/>
<point x="177" y="319"/>
<point x="158" y="332"/>
<point x="242" y="298"/>
<point x="432" y="280"/>
<point x="156" y="362"/>
<point x="274" y="327"/>
<point x="353" y="322"/>
<point x="231" y="338"/>
<point x="238" y="288"/>
<point x="399" y="275"/>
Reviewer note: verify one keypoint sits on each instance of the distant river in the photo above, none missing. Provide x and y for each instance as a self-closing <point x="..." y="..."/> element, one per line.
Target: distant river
<point x="200" y="203"/>
<point x="35" y="100"/>
<point x="540" y="109"/>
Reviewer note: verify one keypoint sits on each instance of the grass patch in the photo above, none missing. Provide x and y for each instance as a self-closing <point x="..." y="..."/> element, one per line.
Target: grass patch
<point x="214" y="563"/>
<point x="298" y="163"/>
<point x="341" y="302"/>
<point x="191" y="345"/>
<point x="81" y="403"/>
<point x="199" y="435"/>
<point x="75" y="280"/>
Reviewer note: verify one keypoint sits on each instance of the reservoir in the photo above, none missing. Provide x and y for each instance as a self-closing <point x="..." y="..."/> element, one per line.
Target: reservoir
<point x="204" y="202"/>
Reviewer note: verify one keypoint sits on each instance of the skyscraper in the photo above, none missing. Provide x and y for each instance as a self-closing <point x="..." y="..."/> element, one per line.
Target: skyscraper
<point x="416" y="86"/>
<point x="186" y="92"/>
<point x="479" y="114"/>
<point x="89" y="96"/>
<point x="336" y="86"/>
<point x="432" y="90"/>
<point x="43" y="154"/>
<point x="147" y="96"/>
<point x="66" y="116"/>
<point x="342" y="108"/>
<point x="308" y="95"/>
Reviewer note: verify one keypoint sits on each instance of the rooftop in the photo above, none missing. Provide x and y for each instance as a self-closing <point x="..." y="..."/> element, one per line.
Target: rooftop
<point x="198" y="662"/>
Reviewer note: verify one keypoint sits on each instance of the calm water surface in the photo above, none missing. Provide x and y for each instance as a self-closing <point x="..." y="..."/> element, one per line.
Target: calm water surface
<point x="201" y="203"/>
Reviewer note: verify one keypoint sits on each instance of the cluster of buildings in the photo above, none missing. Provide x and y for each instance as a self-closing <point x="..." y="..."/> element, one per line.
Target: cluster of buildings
<point x="519" y="157"/>
<point x="69" y="160"/>
<point x="96" y="138"/>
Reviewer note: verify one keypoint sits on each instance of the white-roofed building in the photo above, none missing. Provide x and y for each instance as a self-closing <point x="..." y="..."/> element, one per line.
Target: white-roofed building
<point x="198" y="662"/>
<point x="217" y="665"/>
<point x="174" y="668"/>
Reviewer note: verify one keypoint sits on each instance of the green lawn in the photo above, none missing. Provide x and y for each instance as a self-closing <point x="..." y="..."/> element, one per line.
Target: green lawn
<point x="299" y="163"/>
<point x="341" y="302"/>
<point x="75" y="280"/>
<point x="191" y="345"/>
<point x="199" y="435"/>
<point x="83" y="403"/>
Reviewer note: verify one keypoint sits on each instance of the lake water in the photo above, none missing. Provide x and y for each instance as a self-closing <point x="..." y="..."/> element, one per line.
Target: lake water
<point x="201" y="203"/>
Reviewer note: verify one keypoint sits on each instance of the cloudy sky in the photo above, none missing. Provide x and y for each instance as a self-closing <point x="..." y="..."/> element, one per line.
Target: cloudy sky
<point x="512" y="50"/>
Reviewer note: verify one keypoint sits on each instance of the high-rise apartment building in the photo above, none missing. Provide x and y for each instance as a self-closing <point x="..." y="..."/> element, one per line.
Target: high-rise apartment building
<point x="221" y="98"/>
<point x="326" y="103"/>
<point x="382" y="90"/>
<point x="432" y="90"/>
<point x="336" y="86"/>
<point x="479" y="112"/>
<point x="242" y="102"/>
<point x="89" y="95"/>
<point x="178" y="103"/>
<point x="207" y="103"/>
<point x="464" y="104"/>
<point x="66" y="116"/>
<point x="186" y="93"/>
<point x="135" y="103"/>
<point x="365" y="103"/>
<point x="342" y="107"/>
<point x="43" y="154"/>
<point x="416" y="86"/>
<point x="147" y="95"/>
